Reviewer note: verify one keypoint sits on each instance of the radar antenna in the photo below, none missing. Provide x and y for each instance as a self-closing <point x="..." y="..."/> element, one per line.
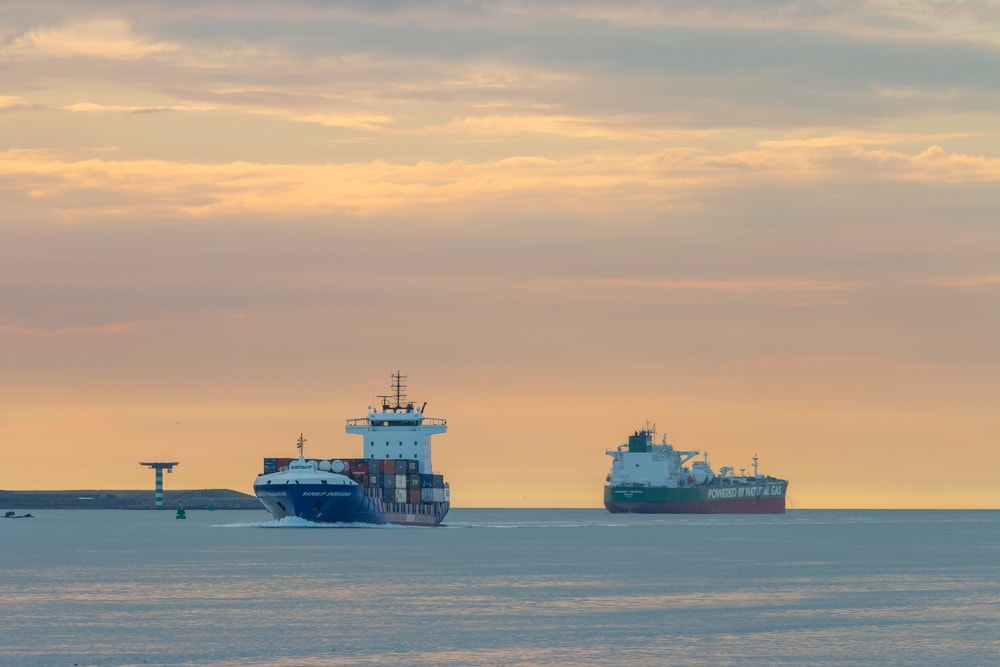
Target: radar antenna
<point x="398" y="395"/>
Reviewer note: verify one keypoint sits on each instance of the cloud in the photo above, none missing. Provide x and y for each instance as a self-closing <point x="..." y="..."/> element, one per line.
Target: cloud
<point x="101" y="38"/>
<point x="968" y="282"/>
<point x="93" y="188"/>
<point x="13" y="103"/>
<point x="112" y="328"/>
<point x="837" y="155"/>
<point x="90" y="107"/>
<point x="674" y="64"/>
<point x="622" y="127"/>
<point x="718" y="285"/>
<point x="360" y="121"/>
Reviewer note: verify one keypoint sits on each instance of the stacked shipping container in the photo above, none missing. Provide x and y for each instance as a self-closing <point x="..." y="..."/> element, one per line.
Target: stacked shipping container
<point x="391" y="480"/>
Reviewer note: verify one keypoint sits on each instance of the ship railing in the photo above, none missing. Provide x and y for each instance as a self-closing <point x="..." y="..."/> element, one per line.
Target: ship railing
<point x="422" y="421"/>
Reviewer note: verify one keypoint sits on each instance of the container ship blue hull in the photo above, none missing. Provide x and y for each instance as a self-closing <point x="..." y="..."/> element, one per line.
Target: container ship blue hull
<point x="346" y="503"/>
<point x="363" y="491"/>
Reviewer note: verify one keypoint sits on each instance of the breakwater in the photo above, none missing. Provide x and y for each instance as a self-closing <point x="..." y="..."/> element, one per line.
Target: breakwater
<point x="222" y="499"/>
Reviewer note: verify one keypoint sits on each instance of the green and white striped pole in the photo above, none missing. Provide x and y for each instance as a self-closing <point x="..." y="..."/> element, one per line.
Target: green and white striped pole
<point x="159" y="468"/>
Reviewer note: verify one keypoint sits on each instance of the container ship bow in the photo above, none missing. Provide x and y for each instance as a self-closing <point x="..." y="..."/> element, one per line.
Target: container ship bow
<point x="393" y="482"/>
<point x="649" y="478"/>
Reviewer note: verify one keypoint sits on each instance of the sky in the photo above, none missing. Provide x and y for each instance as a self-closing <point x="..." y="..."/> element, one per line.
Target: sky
<point x="765" y="228"/>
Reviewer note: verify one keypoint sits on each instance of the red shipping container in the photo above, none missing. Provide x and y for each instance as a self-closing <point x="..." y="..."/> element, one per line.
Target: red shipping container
<point x="414" y="496"/>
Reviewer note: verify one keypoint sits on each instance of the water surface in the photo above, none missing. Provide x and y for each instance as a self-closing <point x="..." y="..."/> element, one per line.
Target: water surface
<point x="502" y="587"/>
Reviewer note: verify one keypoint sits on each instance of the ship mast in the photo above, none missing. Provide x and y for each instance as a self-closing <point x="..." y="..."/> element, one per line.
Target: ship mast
<point x="398" y="393"/>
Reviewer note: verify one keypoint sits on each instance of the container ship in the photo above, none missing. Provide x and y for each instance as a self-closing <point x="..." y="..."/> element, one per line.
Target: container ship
<point x="649" y="478"/>
<point x="394" y="482"/>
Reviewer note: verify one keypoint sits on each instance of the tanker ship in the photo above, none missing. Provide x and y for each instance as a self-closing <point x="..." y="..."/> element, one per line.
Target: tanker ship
<point x="649" y="478"/>
<point x="394" y="482"/>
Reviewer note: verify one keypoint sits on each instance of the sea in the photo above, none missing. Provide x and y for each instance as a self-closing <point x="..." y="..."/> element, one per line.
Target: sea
<point x="501" y="587"/>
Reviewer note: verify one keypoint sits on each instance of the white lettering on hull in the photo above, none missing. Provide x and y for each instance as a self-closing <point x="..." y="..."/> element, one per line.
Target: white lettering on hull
<point x="728" y="493"/>
<point x="281" y="494"/>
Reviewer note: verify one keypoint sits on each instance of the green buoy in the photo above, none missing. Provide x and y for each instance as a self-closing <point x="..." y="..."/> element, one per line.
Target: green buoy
<point x="181" y="514"/>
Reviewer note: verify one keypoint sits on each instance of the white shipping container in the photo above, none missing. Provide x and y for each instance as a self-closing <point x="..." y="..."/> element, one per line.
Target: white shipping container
<point x="401" y="482"/>
<point x="400" y="495"/>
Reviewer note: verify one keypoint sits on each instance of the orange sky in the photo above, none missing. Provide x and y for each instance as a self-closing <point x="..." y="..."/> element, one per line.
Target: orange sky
<point x="765" y="232"/>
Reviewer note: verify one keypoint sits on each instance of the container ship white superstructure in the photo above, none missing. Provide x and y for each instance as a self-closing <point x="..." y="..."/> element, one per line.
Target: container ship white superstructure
<point x="394" y="482"/>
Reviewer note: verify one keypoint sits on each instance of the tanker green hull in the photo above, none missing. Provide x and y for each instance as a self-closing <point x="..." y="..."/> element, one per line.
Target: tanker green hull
<point x="764" y="497"/>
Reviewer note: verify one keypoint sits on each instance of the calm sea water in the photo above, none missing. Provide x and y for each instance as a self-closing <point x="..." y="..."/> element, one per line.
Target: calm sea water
<point x="502" y="587"/>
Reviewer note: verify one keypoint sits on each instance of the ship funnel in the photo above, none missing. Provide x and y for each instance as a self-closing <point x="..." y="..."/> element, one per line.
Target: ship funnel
<point x="639" y="442"/>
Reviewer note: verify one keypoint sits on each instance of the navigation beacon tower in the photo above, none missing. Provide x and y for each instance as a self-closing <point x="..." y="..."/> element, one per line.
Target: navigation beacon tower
<point x="159" y="468"/>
